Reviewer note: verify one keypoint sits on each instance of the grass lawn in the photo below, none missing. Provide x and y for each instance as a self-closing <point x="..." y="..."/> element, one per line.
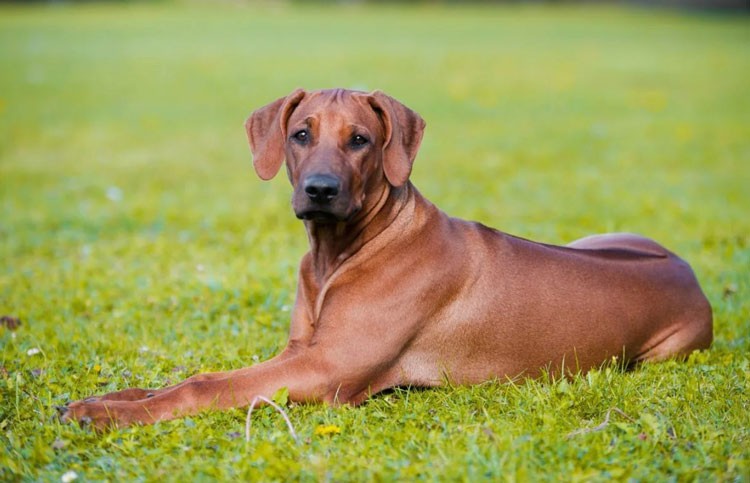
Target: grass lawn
<point x="138" y="247"/>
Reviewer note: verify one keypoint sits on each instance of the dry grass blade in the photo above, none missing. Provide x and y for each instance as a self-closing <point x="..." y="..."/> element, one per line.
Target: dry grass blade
<point x="278" y="408"/>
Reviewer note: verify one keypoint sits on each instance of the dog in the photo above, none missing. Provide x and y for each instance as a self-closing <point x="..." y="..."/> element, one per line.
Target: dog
<point x="394" y="292"/>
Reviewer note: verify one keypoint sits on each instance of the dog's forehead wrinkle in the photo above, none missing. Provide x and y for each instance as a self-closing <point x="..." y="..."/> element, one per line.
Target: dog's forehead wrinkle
<point x="335" y="108"/>
<point x="334" y="121"/>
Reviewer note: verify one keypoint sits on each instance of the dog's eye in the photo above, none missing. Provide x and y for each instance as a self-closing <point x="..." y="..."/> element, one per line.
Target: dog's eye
<point x="358" y="141"/>
<point x="302" y="136"/>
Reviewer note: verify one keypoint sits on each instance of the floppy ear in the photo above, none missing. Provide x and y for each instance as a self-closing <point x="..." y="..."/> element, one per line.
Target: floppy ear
<point x="403" y="135"/>
<point x="266" y="132"/>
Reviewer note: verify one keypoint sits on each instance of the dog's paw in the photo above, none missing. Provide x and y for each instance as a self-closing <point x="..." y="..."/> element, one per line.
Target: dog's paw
<point x="94" y="413"/>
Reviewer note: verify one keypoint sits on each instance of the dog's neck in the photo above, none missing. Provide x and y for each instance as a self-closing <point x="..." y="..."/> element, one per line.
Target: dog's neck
<point x="331" y="244"/>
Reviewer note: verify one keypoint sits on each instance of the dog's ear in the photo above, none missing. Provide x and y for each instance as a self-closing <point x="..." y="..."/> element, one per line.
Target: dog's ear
<point x="266" y="132"/>
<point x="403" y="135"/>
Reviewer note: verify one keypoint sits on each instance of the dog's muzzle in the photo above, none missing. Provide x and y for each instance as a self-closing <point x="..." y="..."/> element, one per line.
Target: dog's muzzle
<point x="322" y="189"/>
<point x="322" y="198"/>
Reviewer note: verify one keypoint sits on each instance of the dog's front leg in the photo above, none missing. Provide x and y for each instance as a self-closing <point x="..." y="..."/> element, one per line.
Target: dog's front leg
<point x="307" y="377"/>
<point x="136" y="393"/>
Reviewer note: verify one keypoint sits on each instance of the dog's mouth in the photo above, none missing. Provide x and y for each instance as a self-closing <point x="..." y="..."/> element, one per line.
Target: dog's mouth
<point x="325" y="216"/>
<point x="319" y="216"/>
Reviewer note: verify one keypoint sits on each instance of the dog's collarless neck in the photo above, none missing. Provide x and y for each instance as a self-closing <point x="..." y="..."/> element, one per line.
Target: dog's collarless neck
<point x="331" y="245"/>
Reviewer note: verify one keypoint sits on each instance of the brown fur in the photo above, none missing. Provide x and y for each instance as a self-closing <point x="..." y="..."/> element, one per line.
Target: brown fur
<point x="395" y="292"/>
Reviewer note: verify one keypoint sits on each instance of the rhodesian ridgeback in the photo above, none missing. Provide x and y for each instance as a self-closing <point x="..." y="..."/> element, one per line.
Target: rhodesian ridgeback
<point x="394" y="292"/>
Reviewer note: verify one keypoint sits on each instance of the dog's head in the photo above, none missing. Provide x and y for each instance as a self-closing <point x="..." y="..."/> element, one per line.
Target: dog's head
<point x="340" y="147"/>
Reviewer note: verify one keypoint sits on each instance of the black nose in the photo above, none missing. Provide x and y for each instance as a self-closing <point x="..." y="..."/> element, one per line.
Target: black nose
<point x="321" y="188"/>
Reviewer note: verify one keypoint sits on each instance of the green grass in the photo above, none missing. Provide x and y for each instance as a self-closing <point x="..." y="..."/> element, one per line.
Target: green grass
<point x="138" y="247"/>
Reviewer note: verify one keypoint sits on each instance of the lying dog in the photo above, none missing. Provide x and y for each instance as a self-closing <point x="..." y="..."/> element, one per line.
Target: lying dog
<point x="394" y="292"/>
